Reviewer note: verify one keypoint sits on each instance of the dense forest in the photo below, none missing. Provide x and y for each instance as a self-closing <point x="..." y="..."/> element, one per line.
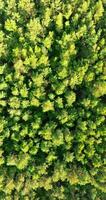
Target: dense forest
<point x="52" y="99"/>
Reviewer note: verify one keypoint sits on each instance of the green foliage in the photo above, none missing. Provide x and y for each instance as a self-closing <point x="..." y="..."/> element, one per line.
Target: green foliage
<point x="53" y="100"/>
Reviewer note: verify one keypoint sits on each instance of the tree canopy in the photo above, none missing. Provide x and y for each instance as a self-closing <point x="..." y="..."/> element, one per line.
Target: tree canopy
<point x="52" y="99"/>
